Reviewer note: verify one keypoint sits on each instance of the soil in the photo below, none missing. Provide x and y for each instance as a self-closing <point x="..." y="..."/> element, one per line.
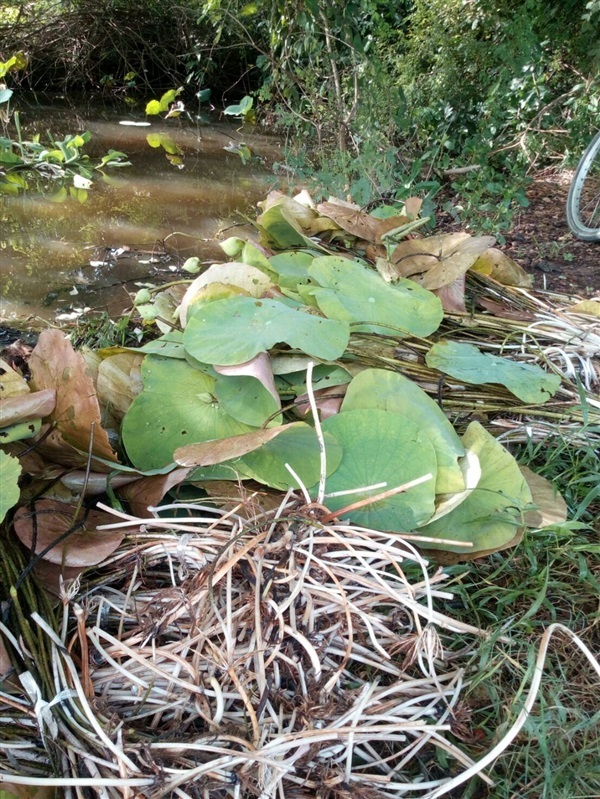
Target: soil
<point x="542" y="243"/>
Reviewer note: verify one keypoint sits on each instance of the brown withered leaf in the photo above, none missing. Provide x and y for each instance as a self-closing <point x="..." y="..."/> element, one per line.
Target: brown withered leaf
<point x="49" y="575"/>
<point x="50" y="519"/>
<point x="359" y="223"/>
<point x="208" y="453"/>
<point x="328" y="401"/>
<point x="551" y="507"/>
<point x="436" y="261"/>
<point x="494" y="263"/>
<point x="149" y="491"/>
<point x="118" y="382"/>
<point x="453" y="296"/>
<point x="26" y="407"/>
<point x="55" y="365"/>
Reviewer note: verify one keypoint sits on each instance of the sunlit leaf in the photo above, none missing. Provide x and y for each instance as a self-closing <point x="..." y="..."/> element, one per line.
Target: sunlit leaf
<point x="489" y="517"/>
<point x="390" y="391"/>
<point x="235" y="330"/>
<point x="382" y="447"/>
<point x="353" y="293"/>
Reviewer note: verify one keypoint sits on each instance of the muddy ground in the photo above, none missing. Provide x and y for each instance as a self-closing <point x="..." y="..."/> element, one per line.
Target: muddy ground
<point x="542" y="243"/>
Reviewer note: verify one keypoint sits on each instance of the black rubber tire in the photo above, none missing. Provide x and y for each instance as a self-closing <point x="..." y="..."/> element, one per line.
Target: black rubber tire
<point x="577" y="225"/>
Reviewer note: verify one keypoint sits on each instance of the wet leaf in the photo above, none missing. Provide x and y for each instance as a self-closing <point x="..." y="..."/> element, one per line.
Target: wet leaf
<point x="500" y="267"/>
<point x="177" y="406"/>
<point x="389" y="391"/>
<point x="26" y="407"/>
<point x="55" y="365"/>
<point x="10" y="471"/>
<point x="233" y="331"/>
<point x="436" y="261"/>
<point x="49" y="520"/>
<point x="465" y="362"/>
<point x="353" y="293"/>
<point x="382" y="447"/>
<point x="489" y="516"/>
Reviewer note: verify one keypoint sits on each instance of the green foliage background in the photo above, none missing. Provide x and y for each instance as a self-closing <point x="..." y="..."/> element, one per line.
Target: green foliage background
<point x="374" y="98"/>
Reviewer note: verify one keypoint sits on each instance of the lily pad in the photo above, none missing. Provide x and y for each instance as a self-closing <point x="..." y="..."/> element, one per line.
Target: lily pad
<point x="298" y="446"/>
<point x="291" y="268"/>
<point x="353" y="293"/>
<point x="10" y="470"/>
<point x="390" y="391"/>
<point x="251" y="280"/>
<point x="232" y="331"/>
<point x="177" y="406"/>
<point x="465" y="362"/>
<point x="246" y="399"/>
<point x="382" y="447"/>
<point x="491" y="514"/>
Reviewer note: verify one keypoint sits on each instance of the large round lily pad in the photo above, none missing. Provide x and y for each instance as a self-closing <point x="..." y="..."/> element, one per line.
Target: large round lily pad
<point x="354" y="293"/>
<point x="381" y="446"/>
<point x="489" y="517"/>
<point x="390" y="391"/>
<point x="177" y="406"/>
<point x="234" y="330"/>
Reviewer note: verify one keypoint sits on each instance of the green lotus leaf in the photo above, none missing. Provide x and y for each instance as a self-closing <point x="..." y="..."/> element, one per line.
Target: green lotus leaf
<point x="234" y="330"/>
<point x="299" y="447"/>
<point x="490" y="515"/>
<point x="170" y="345"/>
<point x="291" y="267"/>
<point x="279" y="228"/>
<point x="390" y="391"/>
<point x="354" y="293"/>
<point x="527" y="381"/>
<point x="10" y="470"/>
<point x="177" y="406"/>
<point x="20" y="431"/>
<point x="382" y="447"/>
<point x="247" y="399"/>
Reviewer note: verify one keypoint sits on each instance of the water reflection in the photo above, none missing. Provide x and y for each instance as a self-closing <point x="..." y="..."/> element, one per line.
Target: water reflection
<point x="84" y="248"/>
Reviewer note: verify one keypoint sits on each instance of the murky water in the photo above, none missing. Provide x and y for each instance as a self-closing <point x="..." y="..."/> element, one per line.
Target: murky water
<point x="138" y="225"/>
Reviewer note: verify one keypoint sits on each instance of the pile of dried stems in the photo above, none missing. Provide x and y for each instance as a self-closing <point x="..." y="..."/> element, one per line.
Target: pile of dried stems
<point x="242" y="653"/>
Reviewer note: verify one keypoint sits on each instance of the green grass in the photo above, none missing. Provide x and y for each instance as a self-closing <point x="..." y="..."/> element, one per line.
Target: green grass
<point x="552" y="576"/>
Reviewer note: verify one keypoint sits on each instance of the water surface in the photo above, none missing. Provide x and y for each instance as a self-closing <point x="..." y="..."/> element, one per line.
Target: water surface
<point x="138" y="225"/>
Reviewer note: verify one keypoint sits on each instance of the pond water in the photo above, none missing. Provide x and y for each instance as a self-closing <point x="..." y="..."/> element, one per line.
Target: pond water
<point x="59" y="255"/>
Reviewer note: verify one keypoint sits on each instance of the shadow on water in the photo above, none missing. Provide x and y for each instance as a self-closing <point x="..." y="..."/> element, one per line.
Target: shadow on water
<point x="137" y="224"/>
